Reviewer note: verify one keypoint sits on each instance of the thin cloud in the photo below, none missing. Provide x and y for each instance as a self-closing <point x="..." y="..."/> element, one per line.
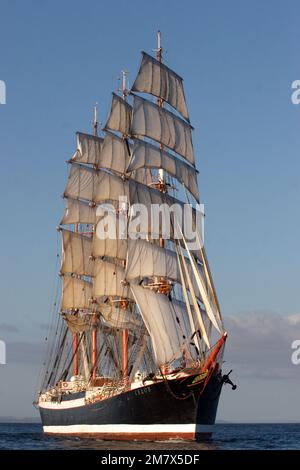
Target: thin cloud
<point x="25" y="353"/>
<point x="259" y="344"/>
<point x="8" y="328"/>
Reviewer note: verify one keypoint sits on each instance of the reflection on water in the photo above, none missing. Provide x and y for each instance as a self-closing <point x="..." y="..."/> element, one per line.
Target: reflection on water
<point x="97" y="444"/>
<point x="226" y="436"/>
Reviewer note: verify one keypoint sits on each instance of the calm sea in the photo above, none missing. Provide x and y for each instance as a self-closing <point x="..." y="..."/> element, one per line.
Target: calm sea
<point x="226" y="436"/>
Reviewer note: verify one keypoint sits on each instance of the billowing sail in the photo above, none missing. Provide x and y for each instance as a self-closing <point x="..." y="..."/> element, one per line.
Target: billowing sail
<point x="147" y="259"/>
<point x="159" y="80"/>
<point x="115" y="153"/>
<point x="82" y="183"/>
<point x="146" y="155"/>
<point x="167" y="323"/>
<point x="76" y="293"/>
<point x="111" y="248"/>
<point x="117" y="317"/>
<point x="100" y="186"/>
<point x="143" y="175"/>
<point x="91" y="185"/>
<point x="77" y="212"/>
<point x="120" y="115"/>
<point x="110" y="239"/>
<point x="88" y="149"/>
<point x="76" y="253"/>
<point x="109" y="280"/>
<point x="158" y="124"/>
<point x="161" y="211"/>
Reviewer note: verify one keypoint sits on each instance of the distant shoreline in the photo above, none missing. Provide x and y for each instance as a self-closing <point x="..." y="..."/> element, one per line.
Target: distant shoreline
<point x="14" y="420"/>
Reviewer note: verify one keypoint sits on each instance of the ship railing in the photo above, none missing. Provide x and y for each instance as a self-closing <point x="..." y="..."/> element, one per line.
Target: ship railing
<point x="107" y="391"/>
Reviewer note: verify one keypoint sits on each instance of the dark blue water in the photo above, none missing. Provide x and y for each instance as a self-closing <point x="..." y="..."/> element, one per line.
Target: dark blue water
<point x="226" y="436"/>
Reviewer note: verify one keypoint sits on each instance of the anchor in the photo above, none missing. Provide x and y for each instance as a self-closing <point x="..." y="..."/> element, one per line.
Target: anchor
<point x="226" y="380"/>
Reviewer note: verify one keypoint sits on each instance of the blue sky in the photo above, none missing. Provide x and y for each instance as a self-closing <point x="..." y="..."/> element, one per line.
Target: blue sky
<point x="238" y="60"/>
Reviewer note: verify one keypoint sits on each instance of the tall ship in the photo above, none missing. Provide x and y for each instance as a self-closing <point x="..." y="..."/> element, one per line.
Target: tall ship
<point x="138" y="339"/>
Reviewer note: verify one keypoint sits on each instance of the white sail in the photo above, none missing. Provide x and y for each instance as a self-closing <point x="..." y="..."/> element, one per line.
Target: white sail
<point x="202" y="289"/>
<point x="145" y="259"/>
<point x="157" y="202"/>
<point x="158" y="124"/>
<point x="82" y="183"/>
<point x="111" y="248"/>
<point x="110" y="239"/>
<point x="194" y="299"/>
<point x="159" y="80"/>
<point x="142" y="175"/>
<point x="146" y="155"/>
<point x="120" y="115"/>
<point x="94" y="185"/>
<point x="167" y="323"/>
<point x="88" y="149"/>
<point x="117" y="317"/>
<point x="109" y="280"/>
<point x="115" y="153"/>
<point x="100" y="186"/>
<point x="76" y="253"/>
<point x="76" y="293"/>
<point x="77" y="212"/>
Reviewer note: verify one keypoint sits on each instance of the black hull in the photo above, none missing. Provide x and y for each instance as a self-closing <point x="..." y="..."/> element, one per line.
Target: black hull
<point x="158" y="411"/>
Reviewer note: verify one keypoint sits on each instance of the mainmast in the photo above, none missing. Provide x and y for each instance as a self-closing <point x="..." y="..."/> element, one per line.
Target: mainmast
<point x="95" y="316"/>
<point x="75" y="342"/>
<point x="160" y="103"/>
<point x="161" y="184"/>
<point x="124" y="304"/>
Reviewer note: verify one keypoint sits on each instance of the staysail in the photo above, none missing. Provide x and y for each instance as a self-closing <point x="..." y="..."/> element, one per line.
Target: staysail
<point x="167" y="323"/>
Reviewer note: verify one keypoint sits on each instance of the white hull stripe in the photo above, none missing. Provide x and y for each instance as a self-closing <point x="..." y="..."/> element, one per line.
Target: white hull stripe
<point x="128" y="428"/>
<point x="62" y="405"/>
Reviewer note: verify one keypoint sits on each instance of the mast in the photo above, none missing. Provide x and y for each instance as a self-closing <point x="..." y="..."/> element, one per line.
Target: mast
<point x="125" y="355"/>
<point x="75" y="342"/>
<point x="161" y="176"/>
<point x="95" y="120"/>
<point x="75" y="354"/>
<point x="94" y="348"/>
<point x="160" y="104"/>
<point x="94" y="321"/>
<point x="124" y="304"/>
<point x="159" y="48"/>
<point x="164" y="287"/>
